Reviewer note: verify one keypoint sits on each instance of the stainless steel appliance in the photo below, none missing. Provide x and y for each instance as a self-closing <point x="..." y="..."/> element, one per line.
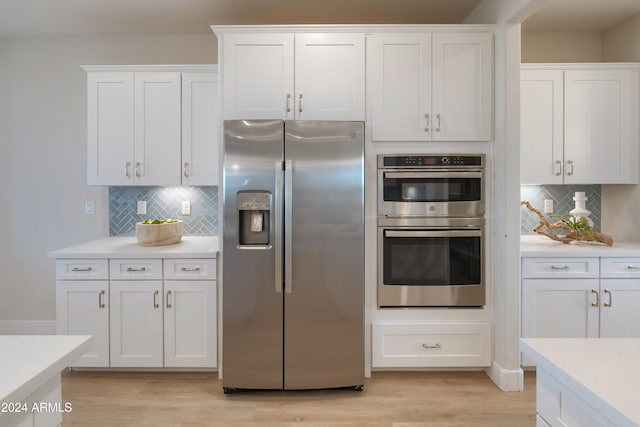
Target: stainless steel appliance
<point x="293" y="261"/>
<point x="431" y="185"/>
<point x="431" y="231"/>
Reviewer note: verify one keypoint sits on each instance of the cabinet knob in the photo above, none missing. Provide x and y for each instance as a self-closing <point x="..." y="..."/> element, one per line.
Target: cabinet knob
<point x="427" y="345"/>
<point x="562" y="268"/>
<point x="185" y="170"/>
<point x="168" y="302"/>
<point x="77" y="269"/>
<point x="300" y="103"/>
<point x="439" y="124"/>
<point x="155" y="299"/>
<point x="426" y="117"/>
<point x="100" y="302"/>
<point x="597" y="302"/>
<point x="608" y="292"/>
<point x="569" y="167"/>
<point x="288" y="103"/>
<point x="558" y="167"/>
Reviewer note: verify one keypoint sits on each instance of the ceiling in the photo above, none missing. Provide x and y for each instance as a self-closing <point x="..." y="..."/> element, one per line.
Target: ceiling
<point x="103" y="17"/>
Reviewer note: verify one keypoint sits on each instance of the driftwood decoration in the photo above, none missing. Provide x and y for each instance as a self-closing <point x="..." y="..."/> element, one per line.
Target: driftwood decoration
<point x="567" y="230"/>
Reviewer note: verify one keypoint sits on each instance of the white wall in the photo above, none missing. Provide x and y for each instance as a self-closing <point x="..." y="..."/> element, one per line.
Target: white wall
<point x="43" y="153"/>
<point x="620" y="202"/>
<point x="561" y="46"/>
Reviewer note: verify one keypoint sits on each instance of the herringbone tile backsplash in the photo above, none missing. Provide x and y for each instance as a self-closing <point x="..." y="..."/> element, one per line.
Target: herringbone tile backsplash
<point x="164" y="202"/>
<point x="562" y="196"/>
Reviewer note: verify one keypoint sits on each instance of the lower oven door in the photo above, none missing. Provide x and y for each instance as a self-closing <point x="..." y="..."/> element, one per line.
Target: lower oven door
<point x="430" y="267"/>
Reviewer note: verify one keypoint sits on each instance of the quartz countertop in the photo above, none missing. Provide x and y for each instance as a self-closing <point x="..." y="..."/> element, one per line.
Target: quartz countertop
<point x="28" y="361"/>
<point x="128" y="247"/>
<point x="604" y="372"/>
<point x="541" y="246"/>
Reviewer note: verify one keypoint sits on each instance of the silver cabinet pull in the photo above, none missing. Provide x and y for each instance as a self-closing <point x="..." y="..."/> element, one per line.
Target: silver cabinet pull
<point x="100" y="302"/>
<point x="185" y="170"/>
<point x="426" y="345"/>
<point x="595" y="292"/>
<point x="558" y="167"/>
<point x="563" y="268"/>
<point x="155" y="299"/>
<point x="607" y="291"/>
<point x="131" y="269"/>
<point x="569" y="167"/>
<point x="632" y="267"/>
<point x="168" y="302"/>
<point x="183" y="269"/>
<point x="77" y="269"/>
<point x="300" y="103"/>
<point x="127" y="169"/>
<point x="426" y="117"/>
<point x="138" y="169"/>
<point x="288" y="103"/>
<point x="438" y="127"/>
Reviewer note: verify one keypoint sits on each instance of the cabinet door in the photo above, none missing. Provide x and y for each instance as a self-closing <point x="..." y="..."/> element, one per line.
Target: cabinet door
<point x="200" y="129"/>
<point x="541" y="126"/>
<point x="329" y="77"/>
<point x="258" y="76"/>
<point x="560" y="308"/>
<point x="400" y="87"/>
<point x="110" y="129"/>
<point x="190" y="324"/>
<point x="136" y="323"/>
<point x="619" y="314"/>
<point x="82" y="308"/>
<point x="462" y="100"/>
<point x="598" y="145"/>
<point x="157" y="128"/>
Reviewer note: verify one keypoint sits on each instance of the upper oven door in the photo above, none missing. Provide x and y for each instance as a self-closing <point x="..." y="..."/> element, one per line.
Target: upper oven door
<point x="430" y="193"/>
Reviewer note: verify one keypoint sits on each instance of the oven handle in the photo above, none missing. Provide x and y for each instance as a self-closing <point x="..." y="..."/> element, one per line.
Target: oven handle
<point x="439" y="174"/>
<point x="425" y="233"/>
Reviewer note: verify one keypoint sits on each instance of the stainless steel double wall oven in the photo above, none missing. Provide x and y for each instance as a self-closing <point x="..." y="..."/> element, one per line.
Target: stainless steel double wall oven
<point x="431" y="230"/>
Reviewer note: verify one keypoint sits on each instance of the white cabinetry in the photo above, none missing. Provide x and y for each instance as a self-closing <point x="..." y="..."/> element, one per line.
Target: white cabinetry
<point x="141" y="121"/>
<point x="431" y="86"/>
<point x="293" y="76"/>
<point x="579" y="125"/>
<point x="142" y="313"/>
<point x="82" y="306"/>
<point x="580" y="298"/>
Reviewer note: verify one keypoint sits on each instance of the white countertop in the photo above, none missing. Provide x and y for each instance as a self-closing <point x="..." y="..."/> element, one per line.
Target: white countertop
<point x="28" y="361"/>
<point x="602" y="371"/>
<point x="128" y="247"/>
<point x="541" y="246"/>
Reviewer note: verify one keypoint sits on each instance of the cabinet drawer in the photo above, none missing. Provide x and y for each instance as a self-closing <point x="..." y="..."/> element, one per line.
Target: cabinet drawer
<point x="431" y="345"/>
<point x="190" y="269"/>
<point x="620" y="267"/>
<point x="82" y="269"/>
<point x="560" y="267"/>
<point x="135" y="269"/>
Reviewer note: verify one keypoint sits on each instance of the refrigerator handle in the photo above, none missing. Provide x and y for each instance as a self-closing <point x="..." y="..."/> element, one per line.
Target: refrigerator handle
<point x="288" y="222"/>
<point x="277" y="231"/>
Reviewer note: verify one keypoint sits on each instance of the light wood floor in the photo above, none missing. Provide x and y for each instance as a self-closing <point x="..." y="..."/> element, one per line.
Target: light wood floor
<point x="389" y="399"/>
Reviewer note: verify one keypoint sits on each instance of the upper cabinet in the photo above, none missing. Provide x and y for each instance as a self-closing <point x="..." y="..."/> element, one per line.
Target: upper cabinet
<point x="151" y="126"/>
<point x="431" y="86"/>
<point x="302" y="76"/>
<point x="579" y="124"/>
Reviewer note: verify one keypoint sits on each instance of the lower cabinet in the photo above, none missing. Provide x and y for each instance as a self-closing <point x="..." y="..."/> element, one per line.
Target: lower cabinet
<point x="442" y="345"/>
<point x="151" y="313"/>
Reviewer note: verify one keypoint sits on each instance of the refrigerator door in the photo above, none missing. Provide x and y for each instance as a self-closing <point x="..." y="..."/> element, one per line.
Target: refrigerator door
<point x="324" y="255"/>
<point x="253" y="301"/>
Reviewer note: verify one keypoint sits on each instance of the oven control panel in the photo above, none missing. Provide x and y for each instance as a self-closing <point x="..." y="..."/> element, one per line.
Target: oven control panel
<point x="430" y="160"/>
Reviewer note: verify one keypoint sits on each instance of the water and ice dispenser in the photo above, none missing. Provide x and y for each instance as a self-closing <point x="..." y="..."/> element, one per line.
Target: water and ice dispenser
<point x="253" y="217"/>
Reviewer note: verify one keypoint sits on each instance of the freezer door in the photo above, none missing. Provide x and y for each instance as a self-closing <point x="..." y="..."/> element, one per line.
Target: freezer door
<point x="252" y="303"/>
<point x="324" y="255"/>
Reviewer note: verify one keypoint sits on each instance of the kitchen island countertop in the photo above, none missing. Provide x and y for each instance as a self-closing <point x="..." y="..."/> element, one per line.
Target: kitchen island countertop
<point x="128" y="247"/>
<point x="541" y="246"/>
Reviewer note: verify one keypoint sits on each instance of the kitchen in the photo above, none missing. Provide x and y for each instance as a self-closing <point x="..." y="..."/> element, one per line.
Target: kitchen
<point x="59" y="141"/>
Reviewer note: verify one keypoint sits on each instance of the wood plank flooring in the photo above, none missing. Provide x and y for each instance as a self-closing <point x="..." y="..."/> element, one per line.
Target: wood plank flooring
<point x="389" y="399"/>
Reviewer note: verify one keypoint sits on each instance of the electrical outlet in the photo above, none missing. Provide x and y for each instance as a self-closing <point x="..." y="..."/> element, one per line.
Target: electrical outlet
<point x="548" y="206"/>
<point x="186" y="207"/>
<point x="142" y="207"/>
<point x="89" y="207"/>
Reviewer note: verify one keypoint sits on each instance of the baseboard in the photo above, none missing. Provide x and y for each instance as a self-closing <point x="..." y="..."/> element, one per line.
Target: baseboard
<point x="506" y="379"/>
<point x="27" y="327"/>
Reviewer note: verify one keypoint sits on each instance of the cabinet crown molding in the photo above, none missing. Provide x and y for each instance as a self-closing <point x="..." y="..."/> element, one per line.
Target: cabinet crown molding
<point x="186" y="68"/>
<point x="579" y="65"/>
<point x="220" y="30"/>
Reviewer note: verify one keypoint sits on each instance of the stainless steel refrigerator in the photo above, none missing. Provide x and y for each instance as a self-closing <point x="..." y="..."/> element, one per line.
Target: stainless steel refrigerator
<point x="293" y="255"/>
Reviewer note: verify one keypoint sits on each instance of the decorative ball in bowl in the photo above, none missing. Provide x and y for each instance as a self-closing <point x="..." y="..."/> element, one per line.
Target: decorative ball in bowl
<point x="159" y="232"/>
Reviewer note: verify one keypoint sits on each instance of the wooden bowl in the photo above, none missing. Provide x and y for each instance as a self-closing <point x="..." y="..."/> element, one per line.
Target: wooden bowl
<point x="159" y="234"/>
